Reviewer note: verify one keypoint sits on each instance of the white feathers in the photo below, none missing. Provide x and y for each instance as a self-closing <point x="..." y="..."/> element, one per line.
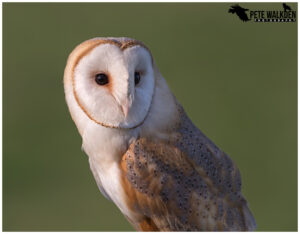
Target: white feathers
<point x="139" y="60"/>
<point x="163" y="113"/>
<point x="104" y="103"/>
<point x="152" y="107"/>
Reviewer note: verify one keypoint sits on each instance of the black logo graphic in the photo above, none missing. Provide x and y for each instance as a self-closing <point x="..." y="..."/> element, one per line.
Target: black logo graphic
<point x="286" y="7"/>
<point x="285" y="15"/>
<point x="240" y="11"/>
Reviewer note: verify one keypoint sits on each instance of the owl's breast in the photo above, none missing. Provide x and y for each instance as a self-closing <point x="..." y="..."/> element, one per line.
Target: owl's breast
<point x="109" y="183"/>
<point x="105" y="148"/>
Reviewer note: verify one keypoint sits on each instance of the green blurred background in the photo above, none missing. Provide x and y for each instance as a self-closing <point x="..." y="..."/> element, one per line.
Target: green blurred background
<point x="236" y="80"/>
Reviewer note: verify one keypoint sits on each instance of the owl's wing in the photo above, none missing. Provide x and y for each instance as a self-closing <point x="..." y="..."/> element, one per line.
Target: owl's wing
<point x="184" y="184"/>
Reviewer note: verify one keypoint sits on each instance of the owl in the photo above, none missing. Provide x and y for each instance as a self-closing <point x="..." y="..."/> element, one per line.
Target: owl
<point x="146" y="155"/>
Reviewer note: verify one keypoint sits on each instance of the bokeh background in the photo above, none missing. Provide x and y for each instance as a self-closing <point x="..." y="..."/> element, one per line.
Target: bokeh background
<point x="236" y="80"/>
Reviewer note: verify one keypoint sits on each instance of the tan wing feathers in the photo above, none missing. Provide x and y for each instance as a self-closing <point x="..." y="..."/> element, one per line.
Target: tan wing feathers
<point x="177" y="190"/>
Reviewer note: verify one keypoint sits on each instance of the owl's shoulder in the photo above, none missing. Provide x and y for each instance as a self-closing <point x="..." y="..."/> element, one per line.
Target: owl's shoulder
<point x="183" y="183"/>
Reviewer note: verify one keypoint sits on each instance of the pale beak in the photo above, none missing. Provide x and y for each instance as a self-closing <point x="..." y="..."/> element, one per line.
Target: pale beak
<point x="125" y="108"/>
<point x="127" y="103"/>
<point x="127" y="100"/>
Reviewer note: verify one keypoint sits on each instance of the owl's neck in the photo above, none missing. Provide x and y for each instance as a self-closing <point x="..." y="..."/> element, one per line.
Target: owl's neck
<point x="163" y="115"/>
<point x="162" y="119"/>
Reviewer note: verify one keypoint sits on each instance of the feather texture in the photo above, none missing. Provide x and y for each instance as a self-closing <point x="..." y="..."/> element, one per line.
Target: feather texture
<point x="161" y="171"/>
<point x="185" y="183"/>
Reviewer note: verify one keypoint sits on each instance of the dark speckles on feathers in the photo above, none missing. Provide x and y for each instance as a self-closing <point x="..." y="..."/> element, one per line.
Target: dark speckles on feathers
<point x="189" y="174"/>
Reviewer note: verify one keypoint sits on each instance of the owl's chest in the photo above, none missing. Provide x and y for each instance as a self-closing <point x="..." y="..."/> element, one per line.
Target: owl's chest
<point x="105" y="150"/>
<point x="109" y="183"/>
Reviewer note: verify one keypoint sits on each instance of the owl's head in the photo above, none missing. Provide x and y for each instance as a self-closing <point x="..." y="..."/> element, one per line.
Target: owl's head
<point x="110" y="80"/>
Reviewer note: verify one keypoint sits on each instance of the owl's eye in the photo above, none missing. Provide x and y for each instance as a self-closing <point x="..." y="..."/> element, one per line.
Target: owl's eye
<point x="137" y="78"/>
<point x="101" y="79"/>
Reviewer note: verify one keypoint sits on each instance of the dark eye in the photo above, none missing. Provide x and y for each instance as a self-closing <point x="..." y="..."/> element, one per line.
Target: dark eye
<point x="137" y="78"/>
<point x="101" y="79"/>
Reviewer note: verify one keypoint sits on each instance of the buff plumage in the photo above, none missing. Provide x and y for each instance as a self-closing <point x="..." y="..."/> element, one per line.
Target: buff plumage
<point x="161" y="171"/>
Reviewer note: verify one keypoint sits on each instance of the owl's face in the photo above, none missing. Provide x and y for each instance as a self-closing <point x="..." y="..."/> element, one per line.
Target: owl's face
<point x="113" y="83"/>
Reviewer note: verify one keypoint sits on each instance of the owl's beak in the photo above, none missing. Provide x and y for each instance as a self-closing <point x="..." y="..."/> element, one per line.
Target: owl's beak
<point x="125" y="109"/>
<point x="126" y="106"/>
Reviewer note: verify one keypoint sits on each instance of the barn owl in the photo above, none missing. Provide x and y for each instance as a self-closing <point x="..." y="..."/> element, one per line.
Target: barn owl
<point x="146" y="155"/>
